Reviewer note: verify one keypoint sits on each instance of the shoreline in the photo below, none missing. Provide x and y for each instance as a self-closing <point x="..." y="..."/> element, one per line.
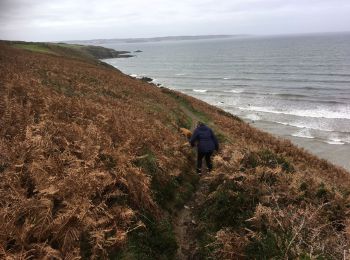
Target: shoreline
<point x="296" y="93"/>
<point x="315" y="147"/>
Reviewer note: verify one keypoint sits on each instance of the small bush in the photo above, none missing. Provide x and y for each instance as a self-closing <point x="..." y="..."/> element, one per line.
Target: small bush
<point x="182" y="120"/>
<point x="147" y="162"/>
<point x="270" y="245"/>
<point x="266" y="158"/>
<point x="229" y="206"/>
<point x="250" y="160"/>
<point x="322" y="191"/>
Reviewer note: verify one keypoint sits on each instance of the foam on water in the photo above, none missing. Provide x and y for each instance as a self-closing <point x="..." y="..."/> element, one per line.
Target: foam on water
<point x="200" y="90"/>
<point x="234" y="91"/>
<point x="323" y="112"/>
<point x="334" y="142"/>
<point x="253" y="117"/>
<point x="306" y="125"/>
<point x="304" y="133"/>
<point x="337" y="139"/>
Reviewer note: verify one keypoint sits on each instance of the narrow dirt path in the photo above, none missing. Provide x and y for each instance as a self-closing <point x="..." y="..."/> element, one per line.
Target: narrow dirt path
<point x="185" y="222"/>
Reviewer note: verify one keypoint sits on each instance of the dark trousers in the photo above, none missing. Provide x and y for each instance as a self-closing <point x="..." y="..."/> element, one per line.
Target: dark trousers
<point x="207" y="157"/>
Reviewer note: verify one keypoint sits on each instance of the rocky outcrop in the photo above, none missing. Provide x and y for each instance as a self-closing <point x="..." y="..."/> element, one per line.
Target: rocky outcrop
<point x="99" y="52"/>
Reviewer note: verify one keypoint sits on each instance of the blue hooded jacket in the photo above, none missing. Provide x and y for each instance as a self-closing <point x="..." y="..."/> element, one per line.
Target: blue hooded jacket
<point x="207" y="141"/>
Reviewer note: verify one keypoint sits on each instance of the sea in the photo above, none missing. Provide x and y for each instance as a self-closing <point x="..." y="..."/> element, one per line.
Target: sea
<point x="296" y="87"/>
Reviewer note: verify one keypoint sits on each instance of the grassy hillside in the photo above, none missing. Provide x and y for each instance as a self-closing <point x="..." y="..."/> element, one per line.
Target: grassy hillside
<point x="93" y="166"/>
<point x="84" y="52"/>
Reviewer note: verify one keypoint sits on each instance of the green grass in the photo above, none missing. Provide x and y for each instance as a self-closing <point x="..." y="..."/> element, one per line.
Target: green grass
<point x="170" y="192"/>
<point x="186" y="121"/>
<point x="186" y="104"/>
<point x="61" y="49"/>
<point x="76" y="51"/>
<point x="229" y="206"/>
<point x="60" y="87"/>
<point x="270" y="245"/>
<point x="156" y="241"/>
<point x="35" y="47"/>
<point x="66" y="45"/>
<point x="147" y="162"/>
<point x="181" y="119"/>
<point x="267" y="158"/>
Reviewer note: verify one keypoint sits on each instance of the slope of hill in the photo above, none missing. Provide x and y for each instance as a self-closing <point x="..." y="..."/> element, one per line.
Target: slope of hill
<point x="88" y="53"/>
<point x="93" y="166"/>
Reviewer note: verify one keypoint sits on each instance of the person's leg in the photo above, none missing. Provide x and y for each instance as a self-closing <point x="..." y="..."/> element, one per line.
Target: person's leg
<point x="208" y="161"/>
<point x="199" y="162"/>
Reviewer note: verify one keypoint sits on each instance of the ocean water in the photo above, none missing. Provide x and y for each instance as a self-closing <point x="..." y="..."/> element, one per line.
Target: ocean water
<point x="296" y="87"/>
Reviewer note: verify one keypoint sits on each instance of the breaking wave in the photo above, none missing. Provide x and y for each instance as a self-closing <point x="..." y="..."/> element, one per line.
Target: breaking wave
<point x="343" y="113"/>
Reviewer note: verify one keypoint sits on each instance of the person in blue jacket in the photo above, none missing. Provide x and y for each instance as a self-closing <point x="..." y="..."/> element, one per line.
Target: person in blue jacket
<point x="207" y="143"/>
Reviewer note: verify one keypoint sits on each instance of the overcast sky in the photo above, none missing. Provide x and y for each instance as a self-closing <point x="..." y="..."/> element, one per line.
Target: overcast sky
<point x="54" y="20"/>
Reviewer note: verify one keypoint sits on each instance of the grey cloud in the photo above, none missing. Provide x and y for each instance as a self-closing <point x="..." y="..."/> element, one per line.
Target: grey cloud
<point x="79" y="19"/>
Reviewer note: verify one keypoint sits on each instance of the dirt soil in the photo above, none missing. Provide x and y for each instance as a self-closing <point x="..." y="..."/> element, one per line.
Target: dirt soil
<point x="185" y="222"/>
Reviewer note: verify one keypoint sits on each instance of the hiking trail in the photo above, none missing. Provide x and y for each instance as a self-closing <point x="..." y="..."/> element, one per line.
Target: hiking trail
<point x="185" y="222"/>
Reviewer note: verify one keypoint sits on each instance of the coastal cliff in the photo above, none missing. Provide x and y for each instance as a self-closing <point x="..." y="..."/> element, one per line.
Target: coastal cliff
<point x="86" y="52"/>
<point x="93" y="165"/>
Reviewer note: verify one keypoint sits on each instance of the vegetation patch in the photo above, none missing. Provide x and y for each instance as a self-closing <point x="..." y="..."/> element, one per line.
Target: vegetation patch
<point x="58" y="85"/>
<point x="112" y="94"/>
<point x="181" y="119"/>
<point x="169" y="191"/>
<point x="222" y="138"/>
<point x="35" y="47"/>
<point x="107" y="160"/>
<point x="185" y="103"/>
<point x="229" y="206"/>
<point x="266" y="158"/>
<point x="270" y="245"/>
<point x="229" y="115"/>
<point x="155" y="241"/>
<point x="147" y="162"/>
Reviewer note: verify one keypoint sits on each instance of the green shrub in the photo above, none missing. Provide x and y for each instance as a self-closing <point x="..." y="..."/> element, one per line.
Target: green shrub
<point x="250" y="160"/>
<point x="182" y="120"/>
<point x="270" y="245"/>
<point x="322" y="192"/>
<point x="147" y="162"/>
<point x="156" y="241"/>
<point x="266" y="158"/>
<point x="230" y="206"/>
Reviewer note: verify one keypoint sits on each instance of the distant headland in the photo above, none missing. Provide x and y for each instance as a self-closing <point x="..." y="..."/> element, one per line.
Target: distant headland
<point x="155" y="39"/>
